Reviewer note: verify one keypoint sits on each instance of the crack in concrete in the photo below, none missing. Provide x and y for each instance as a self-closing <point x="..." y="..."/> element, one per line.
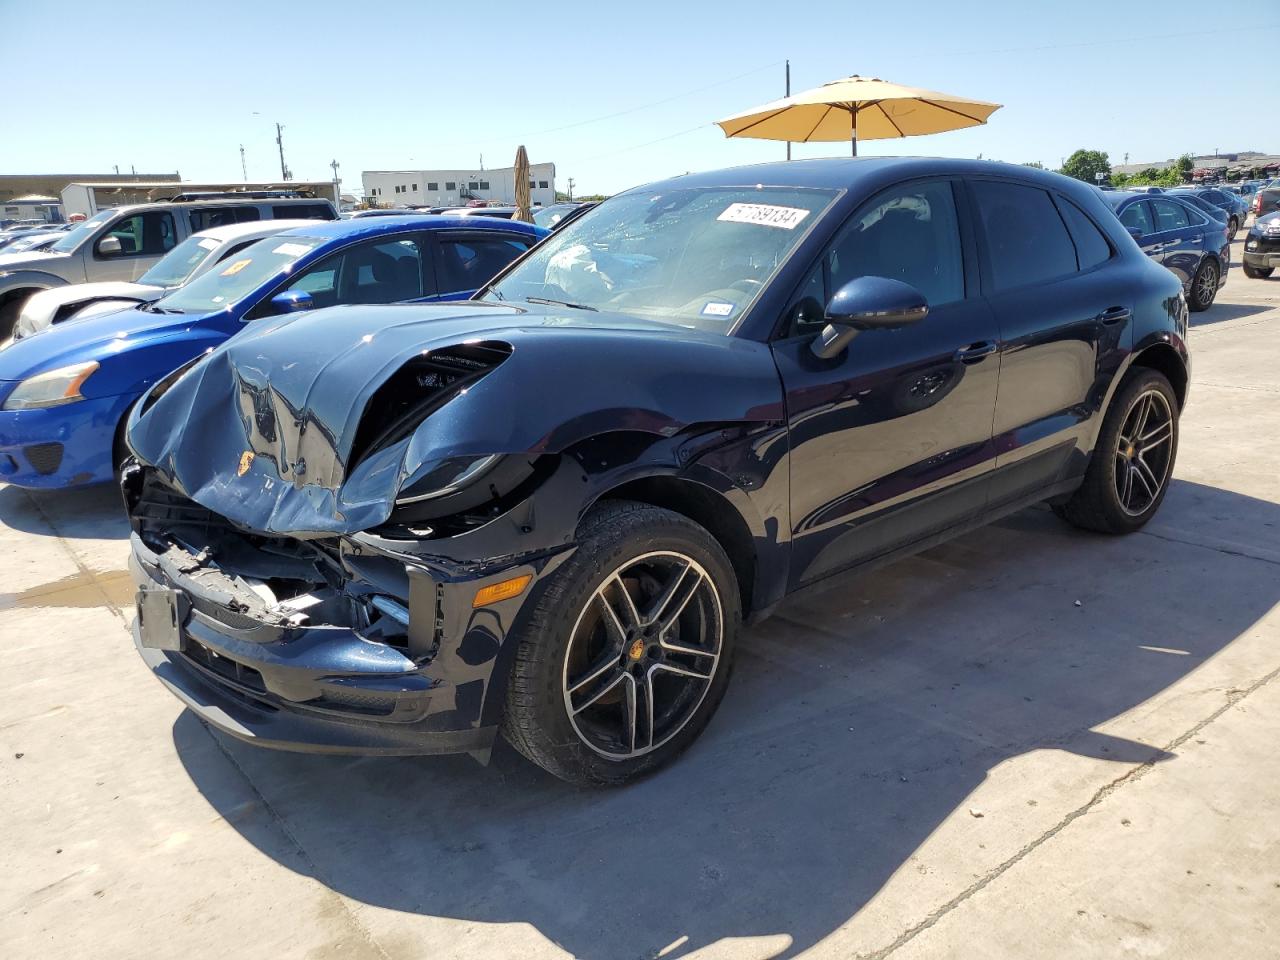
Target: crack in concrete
<point x="1216" y="548"/>
<point x="313" y="869"/>
<point x="1233" y="697"/>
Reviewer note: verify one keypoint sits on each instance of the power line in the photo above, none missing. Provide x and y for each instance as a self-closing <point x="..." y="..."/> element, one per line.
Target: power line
<point x="1099" y="43"/>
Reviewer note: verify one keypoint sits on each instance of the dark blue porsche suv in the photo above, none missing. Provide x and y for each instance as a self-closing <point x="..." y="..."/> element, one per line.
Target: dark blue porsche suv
<point x="547" y="512"/>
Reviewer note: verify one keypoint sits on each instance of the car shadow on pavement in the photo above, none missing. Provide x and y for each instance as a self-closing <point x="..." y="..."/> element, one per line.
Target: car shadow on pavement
<point x="1220" y="312"/>
<point x="858" y="721"/>
<point x="80" y="512"/>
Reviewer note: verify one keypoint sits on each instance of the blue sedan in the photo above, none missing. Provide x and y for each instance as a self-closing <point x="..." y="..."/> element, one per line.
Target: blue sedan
<point x="1191" y="244"/>
<point x="65" y="392"/>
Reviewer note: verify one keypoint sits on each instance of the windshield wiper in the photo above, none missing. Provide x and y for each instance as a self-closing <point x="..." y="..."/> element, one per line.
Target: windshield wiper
<point x="562" y="303"/>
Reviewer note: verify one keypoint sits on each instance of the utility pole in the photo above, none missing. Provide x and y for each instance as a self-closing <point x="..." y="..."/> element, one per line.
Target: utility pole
<point x="117" y="166"/>
<point x="243" y="168"/>
<point x="788" y="94"/>
<point x="571" y="188"/>
<point x="337" y="190"/>
<point x="284" y="171"/>
<point x="482" y="163"/>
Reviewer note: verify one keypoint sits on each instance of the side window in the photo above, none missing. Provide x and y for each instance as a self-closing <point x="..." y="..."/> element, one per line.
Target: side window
<point x="304" y="211"/>
<point x="1215" y="196"/>
<point x="1026" y="239"/>
<point x="1169" y="215"/>
<point x="1092" y="247"/>
<point x="143" y="235"/>
<point x="1135" y="216"/>
<point x="206" y="217"/>
<point x="909" y="232"/>
<point x="382" y="272"/>
<point x="467" y="263"/>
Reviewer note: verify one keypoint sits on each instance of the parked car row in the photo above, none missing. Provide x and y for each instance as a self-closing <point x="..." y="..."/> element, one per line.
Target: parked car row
<point x="546" y="511"/>
<point x="66" y="386"/>
<point x="122" y="243"/>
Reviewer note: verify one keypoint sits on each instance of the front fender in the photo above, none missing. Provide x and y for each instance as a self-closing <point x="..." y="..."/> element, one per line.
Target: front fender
<point x="29" y="279"/>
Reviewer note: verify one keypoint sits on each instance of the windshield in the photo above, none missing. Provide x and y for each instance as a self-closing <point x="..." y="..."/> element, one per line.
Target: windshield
<point x="78" y="233"/>
<point x="238" y="276"/>
<point x="688" y="256"/>
<point x="173" y="269"/>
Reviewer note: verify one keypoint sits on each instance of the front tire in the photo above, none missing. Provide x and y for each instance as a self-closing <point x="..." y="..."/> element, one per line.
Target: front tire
<point x="1128" y="474"/>
<point x="1204" y="285"/>
<point x="1233" y="227"/>
<point x="1258" y="273"/>
<point x="627" y="651"/>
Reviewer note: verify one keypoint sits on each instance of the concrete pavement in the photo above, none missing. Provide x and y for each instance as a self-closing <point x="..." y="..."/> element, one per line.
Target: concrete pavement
<point x="1027" y="742"/>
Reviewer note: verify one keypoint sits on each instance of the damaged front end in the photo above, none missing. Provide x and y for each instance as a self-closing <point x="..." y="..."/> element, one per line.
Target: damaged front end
<point x="337" y="522"/>
<point x="326" y="644"/>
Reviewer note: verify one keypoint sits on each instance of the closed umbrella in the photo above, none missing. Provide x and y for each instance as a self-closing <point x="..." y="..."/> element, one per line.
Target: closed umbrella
<point x="858" y="108"/>
<point x="523" y="201"/>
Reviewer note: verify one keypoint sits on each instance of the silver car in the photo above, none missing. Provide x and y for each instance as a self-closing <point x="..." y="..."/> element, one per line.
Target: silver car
<point x="195" y="255"/>
<point x="122" y="243"/>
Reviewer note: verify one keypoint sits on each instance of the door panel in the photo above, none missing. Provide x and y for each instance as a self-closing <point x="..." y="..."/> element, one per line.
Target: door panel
<point x="891" y="440"/>
<point x="1063" y="305"/>
<point x="1180" y="237"/>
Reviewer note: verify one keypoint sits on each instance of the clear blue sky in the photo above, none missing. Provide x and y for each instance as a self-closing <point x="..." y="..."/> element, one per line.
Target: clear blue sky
<point x="397" y="84"/>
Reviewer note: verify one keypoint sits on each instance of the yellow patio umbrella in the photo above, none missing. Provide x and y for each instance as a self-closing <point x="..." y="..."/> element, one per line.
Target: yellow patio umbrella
<point x="858" y="108"/>
<point x="524" y="202"/>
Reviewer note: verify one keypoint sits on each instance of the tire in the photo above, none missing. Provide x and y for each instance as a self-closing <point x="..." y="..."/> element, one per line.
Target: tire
<point x="1233" y="227"/>
<point x="560" y="720"/>
<point x="1098" y="504"/>
<point x="1204" y="285"/>
<point x="9" y="311"/>
<point x="1258" y="273"/>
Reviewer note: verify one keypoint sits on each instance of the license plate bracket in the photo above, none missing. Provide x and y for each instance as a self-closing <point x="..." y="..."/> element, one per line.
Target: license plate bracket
<point x="161" y="614"/>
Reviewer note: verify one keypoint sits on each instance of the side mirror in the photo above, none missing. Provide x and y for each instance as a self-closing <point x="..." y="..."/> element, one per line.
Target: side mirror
<point x="868" y="303"/>
<point x="110" y="247"/>
<point x="1136" y="233"/>
<point x="291" y="301"/>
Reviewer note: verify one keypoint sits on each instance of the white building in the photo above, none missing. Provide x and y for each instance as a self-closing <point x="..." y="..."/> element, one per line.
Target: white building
<point x="444" y="188"/>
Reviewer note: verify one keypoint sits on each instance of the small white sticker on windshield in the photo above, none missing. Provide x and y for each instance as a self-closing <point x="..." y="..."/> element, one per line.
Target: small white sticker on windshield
<point x="717" y="308"/>
<point x="291" y="249"/>
<point x="208" y="243"/>
<point x="788" y="218"/>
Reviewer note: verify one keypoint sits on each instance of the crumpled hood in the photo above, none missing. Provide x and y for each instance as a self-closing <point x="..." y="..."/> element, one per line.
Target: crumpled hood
<point x="261" y="430"/>
<point x="39" y="310"/>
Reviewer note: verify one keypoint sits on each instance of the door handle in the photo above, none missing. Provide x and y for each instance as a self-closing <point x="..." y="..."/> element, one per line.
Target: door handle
<point x="976" y="351"/>
<point x="1114" y="314"/>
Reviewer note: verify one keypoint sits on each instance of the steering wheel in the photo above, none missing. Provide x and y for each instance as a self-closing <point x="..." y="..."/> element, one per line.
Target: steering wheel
<point x="746" y="286"/>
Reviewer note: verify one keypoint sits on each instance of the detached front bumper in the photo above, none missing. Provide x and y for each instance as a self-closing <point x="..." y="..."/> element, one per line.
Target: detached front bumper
<point x="335" y="689"/>
<point x="65" y="446"/>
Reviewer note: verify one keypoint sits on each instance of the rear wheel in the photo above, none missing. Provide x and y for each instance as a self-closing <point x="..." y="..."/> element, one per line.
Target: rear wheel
<point x="1129" y="471"/>
<point x="1258" y="273"/>
<point x="1204" y="285"/>
<point x="1233" y="227"/>
<point x="628" y="648"/>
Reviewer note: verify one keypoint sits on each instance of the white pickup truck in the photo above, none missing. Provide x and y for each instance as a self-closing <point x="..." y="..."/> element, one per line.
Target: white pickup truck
<point x="124" y="242"/>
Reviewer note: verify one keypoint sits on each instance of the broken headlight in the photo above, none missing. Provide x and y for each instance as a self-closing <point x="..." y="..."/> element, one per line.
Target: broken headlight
<point x="443" y="477"/>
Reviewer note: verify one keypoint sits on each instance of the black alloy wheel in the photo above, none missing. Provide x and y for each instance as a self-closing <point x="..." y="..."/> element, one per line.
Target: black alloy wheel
<point x="1128" y="473"/>
<point x="627" y="650"/>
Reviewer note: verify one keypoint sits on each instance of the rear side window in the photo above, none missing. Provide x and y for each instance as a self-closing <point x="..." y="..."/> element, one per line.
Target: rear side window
<point x="1091" y="246"/>
<point x="305" y="211"/>
<point x="1135" y="216"/>
<point x="468" y="263"/>
<point x="1027" y="242"/>
<point x="206" y="217"/>
<point x="1169" y="215"/>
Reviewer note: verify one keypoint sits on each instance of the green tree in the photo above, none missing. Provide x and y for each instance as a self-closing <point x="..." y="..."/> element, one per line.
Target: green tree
<point x="1086" y="164"/>
<point x="1036" y="164"/>
<point x="1185" y="166"/>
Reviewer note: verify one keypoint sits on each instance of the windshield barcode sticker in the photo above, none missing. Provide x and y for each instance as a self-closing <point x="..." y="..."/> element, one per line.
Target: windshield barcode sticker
<point x="788" y="218"/>
<point x="291" y="249"/>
